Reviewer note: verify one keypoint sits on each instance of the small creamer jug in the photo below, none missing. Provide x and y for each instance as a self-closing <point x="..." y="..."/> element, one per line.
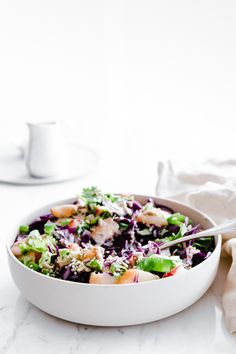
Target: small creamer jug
<point x="46" y="152"/>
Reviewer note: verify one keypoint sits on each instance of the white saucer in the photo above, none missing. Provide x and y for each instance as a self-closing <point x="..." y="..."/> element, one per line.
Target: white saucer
<point x="81" y="161"/>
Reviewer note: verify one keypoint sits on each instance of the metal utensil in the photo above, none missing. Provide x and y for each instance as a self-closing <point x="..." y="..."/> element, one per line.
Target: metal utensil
<point x="228" y="226"/>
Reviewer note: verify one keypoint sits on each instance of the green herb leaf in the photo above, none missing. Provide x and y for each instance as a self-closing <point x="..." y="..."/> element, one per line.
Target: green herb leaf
<point x="90" y="192"/>
<point x="37" y="245"/>
<point x="49" y="227"/>
<point x="156" y="264"/>
<point x="111" y="197"/>
<point x="204" y="244"/>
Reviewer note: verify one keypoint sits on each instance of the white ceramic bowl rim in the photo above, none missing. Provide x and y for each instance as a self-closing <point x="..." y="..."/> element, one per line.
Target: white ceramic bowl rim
<point x="161" y="200"/>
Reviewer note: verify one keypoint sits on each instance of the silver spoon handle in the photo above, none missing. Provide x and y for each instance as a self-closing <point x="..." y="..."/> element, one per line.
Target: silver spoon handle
<point x="228" y="226"/>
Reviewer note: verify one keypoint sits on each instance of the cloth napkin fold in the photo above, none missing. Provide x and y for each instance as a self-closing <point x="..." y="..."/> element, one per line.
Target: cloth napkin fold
<point x="211" y="187"/>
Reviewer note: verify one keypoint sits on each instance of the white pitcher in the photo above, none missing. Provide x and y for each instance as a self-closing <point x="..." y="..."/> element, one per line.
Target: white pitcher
<point x="45" y="156"/>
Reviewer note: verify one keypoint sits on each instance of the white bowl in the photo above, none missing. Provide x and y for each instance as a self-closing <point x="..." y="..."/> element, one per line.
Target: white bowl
<point x="116" y="305"/>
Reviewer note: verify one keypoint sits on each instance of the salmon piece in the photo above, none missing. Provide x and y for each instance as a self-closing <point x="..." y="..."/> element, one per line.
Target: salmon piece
<point x="146" y="276"/>
<point x="101" y="278"/>
<point x="86" y="254"/>
<point x="31" y="256"/>
<point x="64" y="211"/>
<point x="130" y="276"/>
<point x="89" y="254"/>
<point x="16" y="249"/>
<point x="72" y="224"/>
<point x="135" y="276"/>
<point x="152" y="217"/>
<point x="105" y="230"/>
<point x="74" y="247"/>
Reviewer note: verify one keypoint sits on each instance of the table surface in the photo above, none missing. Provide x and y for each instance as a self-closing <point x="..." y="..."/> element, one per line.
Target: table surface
<point x="24" y="328"/>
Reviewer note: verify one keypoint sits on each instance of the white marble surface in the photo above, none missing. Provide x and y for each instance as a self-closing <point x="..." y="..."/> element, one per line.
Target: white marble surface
<point x="25" y="329"/>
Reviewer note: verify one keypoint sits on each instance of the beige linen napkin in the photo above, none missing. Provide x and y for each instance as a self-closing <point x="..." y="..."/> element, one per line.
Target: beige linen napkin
<point x="210" y="187"/>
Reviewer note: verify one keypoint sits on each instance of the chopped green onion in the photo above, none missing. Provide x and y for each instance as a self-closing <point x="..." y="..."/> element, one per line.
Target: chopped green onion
<point x="24" y="247"/>
<point x="111" y="197"/>
<point x="48" y="228"/>
<point x="45" y="271"/>
<point x="24" y="229"/>
<point x="33" y="265"/>
<point x="65" y="222"/>
<point x="34" y="234"/>
<point x="94" y="221"/>
<point x="123" y="225"/>
<point x="176" y="219"/>
<point x="95" y="264"/>
<point x="118" y="268"/>
<point x="63" y="252"/>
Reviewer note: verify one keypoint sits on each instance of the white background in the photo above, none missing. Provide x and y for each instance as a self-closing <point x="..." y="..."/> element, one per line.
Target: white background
<point x="135" y="79"/>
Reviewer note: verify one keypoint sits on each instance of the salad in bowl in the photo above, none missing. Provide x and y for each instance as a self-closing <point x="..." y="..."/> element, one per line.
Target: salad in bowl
<point x="105" y="238"/>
